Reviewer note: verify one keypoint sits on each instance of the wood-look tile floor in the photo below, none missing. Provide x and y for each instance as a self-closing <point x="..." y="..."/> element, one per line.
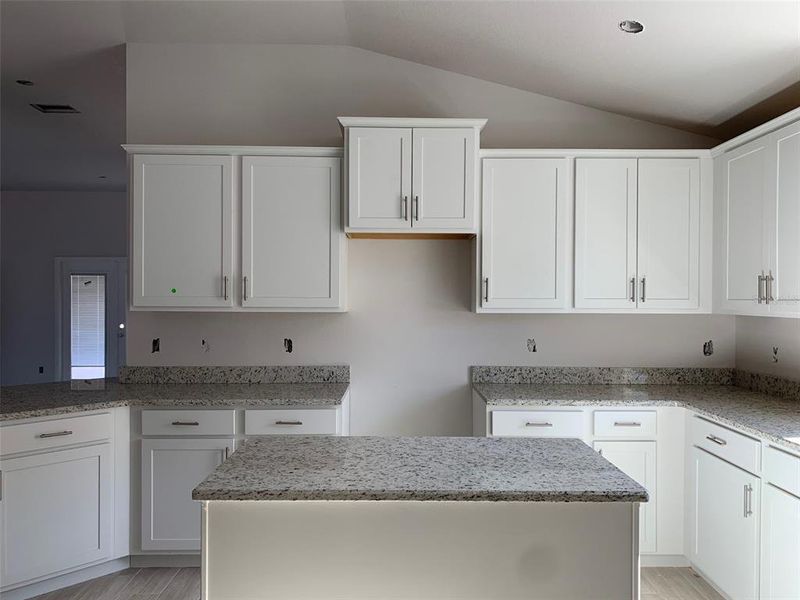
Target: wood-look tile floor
<point x="184" y="584"/>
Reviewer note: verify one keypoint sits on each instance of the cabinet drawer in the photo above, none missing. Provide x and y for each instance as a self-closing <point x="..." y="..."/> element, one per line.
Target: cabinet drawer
<point x="291" y="421"/>
<point x="42" y="435"/>
<point x="730" y="445"/>
<point x="625" y="423"/>
<point x="537" y="423"/>
<point x="782" y="470"/>
<point x="188" y="422"/>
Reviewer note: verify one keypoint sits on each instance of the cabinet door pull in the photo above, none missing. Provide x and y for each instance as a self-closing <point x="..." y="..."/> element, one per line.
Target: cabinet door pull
<point x="538" y="424"/>
<point x="633" y="289"/>
<point x="644" y="282"/>
<point x="769" y="279"/>
<point x="404" y="207"/>
<point x="627" y="424"/>
<point x="288" y="422"/>
<point x="416" y="208"/>
<point x="717" y="440"/>
<point x="486" y="289"/>
<point x="761" y="279"/>
<point x="55" y="434"/>
<point x="244" y="288"/>
<point x="225" y="287"/>
<point x="227" y="452"/>
<point x="186" y="423"/>
<point x="748" y="500"/>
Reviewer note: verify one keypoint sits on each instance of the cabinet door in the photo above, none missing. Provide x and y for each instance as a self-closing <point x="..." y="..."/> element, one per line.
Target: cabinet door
<point x="291" y="233"/>
<point x="605" y="232"/>
<point x="726" y="525"/>
<point x="525" y="231"/>
<point x="55" y="513"/>
<point x="638" y="461"/>
<point x="443" y="186"/>
<point x="379" y="178"/>
<point x="743" y="187"/>
<point x="780" y="545"/>
<point x="784" y="220"/>
<point x="668" y="233"/>
<point x="182" y="231"/>
<point x="171" y="469"/>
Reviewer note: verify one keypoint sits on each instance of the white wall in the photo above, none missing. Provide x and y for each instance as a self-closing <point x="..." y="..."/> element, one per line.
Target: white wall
<point x="36" y="228"/>
<point x="755" y="338"/>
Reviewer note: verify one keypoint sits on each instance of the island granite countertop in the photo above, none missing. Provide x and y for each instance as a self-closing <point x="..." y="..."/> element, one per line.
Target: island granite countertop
<point x="418" y="468"/>
<point x="771" y="417"/>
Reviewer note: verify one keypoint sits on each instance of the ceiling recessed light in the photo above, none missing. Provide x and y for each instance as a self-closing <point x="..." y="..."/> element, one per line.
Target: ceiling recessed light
<point x="55" y="108"/>
<point x="27" y="82"/>
<point x="631" y="26"/>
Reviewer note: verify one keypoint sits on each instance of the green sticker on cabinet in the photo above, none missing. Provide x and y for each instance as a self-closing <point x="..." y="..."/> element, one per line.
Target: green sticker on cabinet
<point x="174" y="291"/>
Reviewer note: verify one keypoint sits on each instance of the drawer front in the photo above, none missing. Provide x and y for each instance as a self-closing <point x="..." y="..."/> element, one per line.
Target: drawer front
<point x="782" y="470"/>
<point x="625" y="423"/>
<point x="42" y="435"/>
<point x="322" y="421"/>
<point x="536" y="423"/>
<point x="188" y="422"/>
<point x="730" y="445"/>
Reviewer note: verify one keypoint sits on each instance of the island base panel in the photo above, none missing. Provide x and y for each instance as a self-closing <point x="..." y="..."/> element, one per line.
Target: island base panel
<point x="411" y="549"/>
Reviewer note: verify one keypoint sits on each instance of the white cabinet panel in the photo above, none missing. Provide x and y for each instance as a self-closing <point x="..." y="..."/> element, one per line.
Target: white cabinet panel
<point x="780" y="545"/>
<point x="537" y="423"/>
<point x="638" y="461"/>
<point x="288" y="421"/>
<point x="171" y="469"/>
<point x="291" y="233"/>
<point x="379" y="177"/>
<point x="443" y="184"/>
<point x="525" y="226"/>
<point x="56" y="512"/>
<point x="668" y="233"/>
<point x="605" y="232"/>
<point x="785" y="222"/>
<point x="726" y="504"/>
<point x="192" y="422"/>
<point x="182" y="230"/>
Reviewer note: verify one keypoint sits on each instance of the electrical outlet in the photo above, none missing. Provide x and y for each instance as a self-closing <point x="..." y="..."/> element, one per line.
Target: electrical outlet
<point x="287" y="345"/>
<point x="531" y="345"/>
<point x="708" y="348"/>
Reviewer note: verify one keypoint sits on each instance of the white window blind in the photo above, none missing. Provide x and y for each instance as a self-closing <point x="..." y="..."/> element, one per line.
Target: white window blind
<point x="88" y="326"/>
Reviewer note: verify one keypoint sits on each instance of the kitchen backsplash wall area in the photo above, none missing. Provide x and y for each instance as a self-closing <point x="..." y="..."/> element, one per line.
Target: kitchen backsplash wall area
<point x="410" y="338"/>
<point x="769" y="346"/>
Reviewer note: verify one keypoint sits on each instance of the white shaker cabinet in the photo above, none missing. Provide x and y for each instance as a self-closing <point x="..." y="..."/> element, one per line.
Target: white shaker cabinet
<point x="291" y="245"/>
<point x="525" y="228"/>
<point x="780" y="545"/>
<point x="725" y="526"/>
<point x="182" y="231"/>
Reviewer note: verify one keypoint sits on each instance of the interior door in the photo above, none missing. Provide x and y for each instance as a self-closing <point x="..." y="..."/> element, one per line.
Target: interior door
<point x="379" y="178"/>
<point x="291" y="240"/>
<point x="443" y="187"/>
<point x="182" y="231"/>
<point x="605" y="233"/>
<point x="638" y="461"/>
<point x="55" y="513"/>
<point x="524" y="233"/>
<point x="726" y="525"/>
<point x="668" y="233"/>
<point x="171" y="469"/>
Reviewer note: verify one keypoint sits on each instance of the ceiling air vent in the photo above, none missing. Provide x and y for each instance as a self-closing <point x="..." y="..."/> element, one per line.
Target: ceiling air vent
<point x="55" y="108"/>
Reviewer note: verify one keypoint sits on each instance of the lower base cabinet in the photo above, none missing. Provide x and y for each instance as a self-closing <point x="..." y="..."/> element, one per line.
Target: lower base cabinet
<point x="171" y="469"/>
<point x="780" y="545"/>
<point x="726" y="503"/>
<point x="638" y="461"/>
<point x="56" y="512"/>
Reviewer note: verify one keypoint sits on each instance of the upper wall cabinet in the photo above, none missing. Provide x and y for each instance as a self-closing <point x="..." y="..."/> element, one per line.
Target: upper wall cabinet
<point x="758" y="225"/>
<point x="189" y="252"/>
<point x="638" y="234"/>
<point x="411" y="175"/>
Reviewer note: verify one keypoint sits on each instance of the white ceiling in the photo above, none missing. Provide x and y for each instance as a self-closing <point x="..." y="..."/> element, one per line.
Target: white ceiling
<point x="697" y="63"/>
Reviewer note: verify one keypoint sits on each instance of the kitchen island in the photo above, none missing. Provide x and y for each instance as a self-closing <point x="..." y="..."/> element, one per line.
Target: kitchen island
<point x="422" y="517"/>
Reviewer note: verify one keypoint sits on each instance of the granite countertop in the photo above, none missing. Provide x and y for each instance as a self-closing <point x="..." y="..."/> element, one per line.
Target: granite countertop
<point x="26" y="401"/>
<point x="771" y="417"/>
<point x="418" y="468"/>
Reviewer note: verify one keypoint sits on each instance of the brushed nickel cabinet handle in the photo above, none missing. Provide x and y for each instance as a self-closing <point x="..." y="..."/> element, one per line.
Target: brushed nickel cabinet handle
<point x="54" y="434"/>
<point x="244" y="288"/>
<point x="404" y="206"/>
<point x="225" y="287"/>
<point x="717" y="440"/>
<point x="186" y="423"/>
<point x="416" y="208"/>
<point x="644" y="282"/>
<point x="633" y="289"/>
<point x="227" y="452"/>
<point x="761" y="279"/>
<point x="486" y="289"/>
<point x="538" y="424"/>
<point x="748" y="500"/>
<point x="769" y="279"/>
<point x="288" y="422"/>
<point x="627" y="424"/>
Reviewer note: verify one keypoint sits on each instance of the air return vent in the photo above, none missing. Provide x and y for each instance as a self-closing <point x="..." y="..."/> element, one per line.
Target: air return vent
<point x="55" y="108"/>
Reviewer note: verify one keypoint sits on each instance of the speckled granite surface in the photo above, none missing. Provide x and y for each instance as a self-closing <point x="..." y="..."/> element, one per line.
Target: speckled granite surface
<point x="26" y="401"/>
<point x="770" y="417"/>
<point x="768" y="384"/>
<point x="418" y="468"/>
<point x="602" y="375"/>
<point x="256" y="374"/>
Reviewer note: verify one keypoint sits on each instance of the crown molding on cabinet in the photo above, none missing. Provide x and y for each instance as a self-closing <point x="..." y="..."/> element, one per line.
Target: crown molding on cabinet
<point x="768" y="127"/>
<point x="590" y="152"/>
<point x="335" y="151"/>
<point x="404" y="122"/>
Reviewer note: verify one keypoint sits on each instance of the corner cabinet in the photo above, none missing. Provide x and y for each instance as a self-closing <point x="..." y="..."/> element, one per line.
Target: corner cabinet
<point x="236" y="229"/>
<point x="411" y="175"/>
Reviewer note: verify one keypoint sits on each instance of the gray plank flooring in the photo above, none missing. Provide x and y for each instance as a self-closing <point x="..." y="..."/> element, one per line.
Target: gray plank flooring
<point x="184" y="584"/>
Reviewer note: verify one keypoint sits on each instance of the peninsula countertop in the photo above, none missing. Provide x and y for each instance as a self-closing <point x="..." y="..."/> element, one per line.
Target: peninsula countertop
<point x="38" y="400"/>
<point x="771" y="417"/>
<point x="418" y="468"/>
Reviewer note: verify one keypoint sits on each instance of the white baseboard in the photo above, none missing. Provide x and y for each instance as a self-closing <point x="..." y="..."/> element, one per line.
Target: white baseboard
<point x="66" y="580"/>
<point x="663" y="560"/>
<point x="141" y="561"/>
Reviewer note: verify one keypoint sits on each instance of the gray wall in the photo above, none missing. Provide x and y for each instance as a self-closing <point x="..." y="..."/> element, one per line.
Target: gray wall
<point x="36" y="228"/>
<point x="755" y="338"/>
